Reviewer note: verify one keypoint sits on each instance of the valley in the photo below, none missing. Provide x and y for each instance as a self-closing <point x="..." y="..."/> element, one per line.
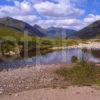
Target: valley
<point x="33" y="58"/>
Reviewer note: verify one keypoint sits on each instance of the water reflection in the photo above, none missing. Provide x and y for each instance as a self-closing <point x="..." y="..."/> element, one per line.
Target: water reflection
<point x="56" y="57"/>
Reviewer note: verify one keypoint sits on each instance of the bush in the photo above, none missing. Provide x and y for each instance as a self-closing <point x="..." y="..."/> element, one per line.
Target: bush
<point x="74" y="59"/>
<point x="7" y="46"/>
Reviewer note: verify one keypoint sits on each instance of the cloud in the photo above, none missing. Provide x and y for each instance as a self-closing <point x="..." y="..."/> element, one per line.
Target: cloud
<point x="48" y="13"/>
<point x="71" y="23"/>
<point x="60" y="9"/>
<point x="31" y="19"/>
<point x="19" y="8"/>
<point x="91" y="18"/>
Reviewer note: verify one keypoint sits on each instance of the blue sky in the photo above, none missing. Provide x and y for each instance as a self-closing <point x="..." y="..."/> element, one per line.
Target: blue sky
<point x="74" y="14"/>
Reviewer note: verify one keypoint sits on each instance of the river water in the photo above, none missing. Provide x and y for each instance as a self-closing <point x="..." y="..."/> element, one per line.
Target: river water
<point x="56" y="57"/>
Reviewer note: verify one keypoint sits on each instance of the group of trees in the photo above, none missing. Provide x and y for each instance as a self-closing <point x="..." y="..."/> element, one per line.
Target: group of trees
<point x="7" y="46"/>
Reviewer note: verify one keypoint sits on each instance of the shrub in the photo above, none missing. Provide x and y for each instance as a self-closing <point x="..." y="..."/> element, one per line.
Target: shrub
<point x="7" y="46"/>
<point x="74" y="59"/>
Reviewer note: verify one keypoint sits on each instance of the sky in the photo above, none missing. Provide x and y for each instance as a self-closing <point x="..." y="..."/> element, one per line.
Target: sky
<point x="72" y="14"/>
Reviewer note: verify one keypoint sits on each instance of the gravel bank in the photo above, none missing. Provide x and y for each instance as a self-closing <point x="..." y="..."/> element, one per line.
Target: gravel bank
<point x="34" y="77"/>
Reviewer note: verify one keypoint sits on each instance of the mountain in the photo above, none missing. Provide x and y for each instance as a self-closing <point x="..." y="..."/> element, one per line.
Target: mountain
<point x="20" y="26"/>
<point x="91" y="31"/>
<point x="38" y="30"/>
<point x="55" y="32"/>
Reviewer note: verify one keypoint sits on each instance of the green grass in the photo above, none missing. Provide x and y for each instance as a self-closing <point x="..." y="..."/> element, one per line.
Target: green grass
<point x="65" y="42"/>
<point x="11" y="34"/>
<point x="81" y="74"/>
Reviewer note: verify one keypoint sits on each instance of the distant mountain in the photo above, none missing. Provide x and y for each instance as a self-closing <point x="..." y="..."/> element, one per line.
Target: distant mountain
<point x="91" y="31"/>
<point x="55" y="32"/>
<point x="23" y="27"/>
<point x="20" y="26"/>
<point x="38" y="30"/>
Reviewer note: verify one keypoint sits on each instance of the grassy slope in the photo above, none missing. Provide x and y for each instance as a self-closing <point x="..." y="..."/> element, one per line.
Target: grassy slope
<point x="11" y="34"/>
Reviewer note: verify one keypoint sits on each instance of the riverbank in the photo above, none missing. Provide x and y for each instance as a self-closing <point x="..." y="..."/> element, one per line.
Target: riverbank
<point x="71" y="93"/>
<point x="34" y="77"/>
<point x="41" y="83"/>
<point x="88" y="45"/>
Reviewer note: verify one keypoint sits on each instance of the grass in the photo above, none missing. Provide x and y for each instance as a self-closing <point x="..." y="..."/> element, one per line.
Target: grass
<point x="11" y="34"/>
<point x="83" y="73"/>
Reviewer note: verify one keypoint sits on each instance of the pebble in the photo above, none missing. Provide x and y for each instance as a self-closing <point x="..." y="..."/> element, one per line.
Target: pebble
<point x="16" y="95"/>
<point x="1" y="90"/>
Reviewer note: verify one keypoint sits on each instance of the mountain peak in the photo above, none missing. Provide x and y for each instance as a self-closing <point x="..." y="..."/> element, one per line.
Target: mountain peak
<point x="36" y="26"/>
<point x="91" y="31"/>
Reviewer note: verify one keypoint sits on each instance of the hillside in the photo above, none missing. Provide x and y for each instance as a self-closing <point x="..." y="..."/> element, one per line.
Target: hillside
<point x="91" y="31"/>
<point x="20" y="26"/>
<point x="36" y="31"/>
<point x="9" y="33"/>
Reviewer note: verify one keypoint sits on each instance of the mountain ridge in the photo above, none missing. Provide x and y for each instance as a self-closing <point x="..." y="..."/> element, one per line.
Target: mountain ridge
<point x="35" y="30"/>
<point x="90" y="31"/>
<point x="20" y="26"/>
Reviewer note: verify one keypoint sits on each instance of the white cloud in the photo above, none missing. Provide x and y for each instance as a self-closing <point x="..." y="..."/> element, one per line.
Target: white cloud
<point x="91" y="18"/>
<point x="58" y="10"/>
<point x="71" y="23"/>
<point x="20" y="8"/>
<point x="25" y="6"/>
<point x="65" y="13"/>
<point x="31" y="19"/>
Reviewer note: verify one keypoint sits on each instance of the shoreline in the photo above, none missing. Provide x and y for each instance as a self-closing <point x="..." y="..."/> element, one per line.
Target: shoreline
<point x="27" y="78"/>
<point x="89" y="45"/>
<point x="32" y="78"/>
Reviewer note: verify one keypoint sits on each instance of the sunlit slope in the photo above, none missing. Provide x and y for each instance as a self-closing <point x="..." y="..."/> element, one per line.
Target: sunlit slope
<point x="9" y="33"/>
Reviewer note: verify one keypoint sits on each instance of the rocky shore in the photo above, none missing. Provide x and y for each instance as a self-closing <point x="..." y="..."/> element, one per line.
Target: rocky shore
<point x="34" y="77"/>
<point x="40" y="83"/>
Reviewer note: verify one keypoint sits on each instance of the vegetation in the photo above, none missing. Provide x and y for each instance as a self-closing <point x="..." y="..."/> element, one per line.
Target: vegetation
<point x="74" y="59"/>
<point x="8" y="36"/>
<point x="83" y="73"/>
<point x="11" y="34"/>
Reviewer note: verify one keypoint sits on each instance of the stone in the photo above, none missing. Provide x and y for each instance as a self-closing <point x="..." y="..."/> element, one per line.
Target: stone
<point x="16" y="95"/>
<point x="1" y="90"/>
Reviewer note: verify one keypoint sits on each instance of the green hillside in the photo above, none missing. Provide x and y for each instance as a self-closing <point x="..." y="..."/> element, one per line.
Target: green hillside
<point x="12" y="34"/>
